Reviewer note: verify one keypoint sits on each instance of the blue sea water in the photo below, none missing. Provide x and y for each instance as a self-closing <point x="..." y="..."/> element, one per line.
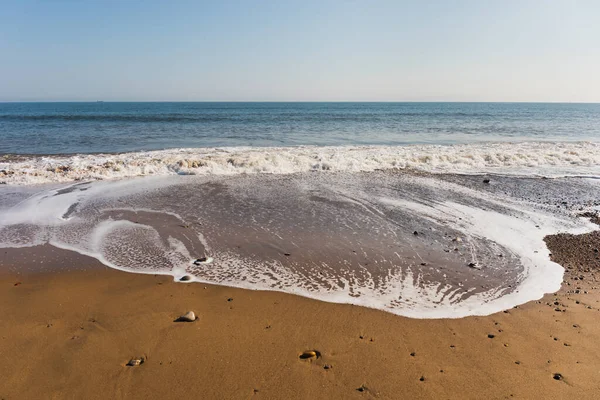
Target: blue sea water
<point x="67" y="128"/>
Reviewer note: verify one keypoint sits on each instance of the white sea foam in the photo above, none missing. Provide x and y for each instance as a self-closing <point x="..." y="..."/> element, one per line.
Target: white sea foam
<point x="527" y="158"/>
<point x="137" y="247"/>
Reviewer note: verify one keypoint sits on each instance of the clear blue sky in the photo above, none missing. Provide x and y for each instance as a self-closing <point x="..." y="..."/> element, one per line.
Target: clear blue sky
<point x="301" y="50"/>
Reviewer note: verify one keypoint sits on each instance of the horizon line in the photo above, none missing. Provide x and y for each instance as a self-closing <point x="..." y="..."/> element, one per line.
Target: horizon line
<point x="298" y="101"/>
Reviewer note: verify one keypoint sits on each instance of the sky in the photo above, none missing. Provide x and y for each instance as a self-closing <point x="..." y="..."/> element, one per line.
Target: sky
<point x="83" y="50"/>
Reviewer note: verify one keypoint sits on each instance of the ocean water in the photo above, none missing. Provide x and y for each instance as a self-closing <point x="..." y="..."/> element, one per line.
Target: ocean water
<point x="67" y="128"/>
<point x="422" y="210"/>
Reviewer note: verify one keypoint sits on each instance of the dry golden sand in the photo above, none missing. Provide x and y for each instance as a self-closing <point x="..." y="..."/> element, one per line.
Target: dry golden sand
<point x="68" y="335"/>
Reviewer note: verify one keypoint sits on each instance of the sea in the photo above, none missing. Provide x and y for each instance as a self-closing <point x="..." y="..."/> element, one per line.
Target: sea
<point x="425" y="210"/>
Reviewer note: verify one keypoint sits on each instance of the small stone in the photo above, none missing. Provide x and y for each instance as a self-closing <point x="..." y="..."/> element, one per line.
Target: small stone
<point x="327" y="366"/>
<point x="491" y="336"/>
<point x="185" y="278"/>
<point x="413" y="354"/>
<point x="557" y="376"/>
<point x="362" y="388"/>
<point x="486" y="181"/>
<point x="230" y="299"/>
<point x="203" y="260"/>
<point x="136" y="362"/>
<point x="457" y="239"/>
<point x="474" y="265"/>
<point x="187" y="317"/>
<point x="309" y="354"/>
<point x="416" y="233"/>
<point x="422" y="379"/>
<point x="287" y="254"/>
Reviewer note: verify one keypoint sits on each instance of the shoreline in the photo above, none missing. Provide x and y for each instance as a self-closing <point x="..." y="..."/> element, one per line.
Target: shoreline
<point x="82" y="325"/>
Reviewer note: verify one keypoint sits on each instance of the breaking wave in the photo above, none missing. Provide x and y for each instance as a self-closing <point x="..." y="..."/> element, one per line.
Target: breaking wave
<point x="526" y="159"/>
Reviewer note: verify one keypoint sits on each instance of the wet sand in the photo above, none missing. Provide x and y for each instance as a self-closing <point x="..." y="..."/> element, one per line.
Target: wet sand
<point x="69" y="326"/>
<point x="417" y="245"/>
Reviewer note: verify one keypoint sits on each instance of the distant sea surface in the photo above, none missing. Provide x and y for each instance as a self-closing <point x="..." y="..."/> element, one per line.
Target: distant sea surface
<point x="103" y="127"/>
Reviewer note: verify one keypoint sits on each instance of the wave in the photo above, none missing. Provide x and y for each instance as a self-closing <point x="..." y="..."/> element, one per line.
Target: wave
<point x="549" y="159"/>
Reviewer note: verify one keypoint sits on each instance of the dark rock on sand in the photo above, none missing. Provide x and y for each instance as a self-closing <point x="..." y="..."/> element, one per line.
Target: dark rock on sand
<point x="185" y="278"/>
<point x="557" y="376"/>
<point x="474" y="265"/>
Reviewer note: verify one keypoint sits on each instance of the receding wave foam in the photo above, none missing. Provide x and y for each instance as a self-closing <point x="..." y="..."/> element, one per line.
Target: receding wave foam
<point x="417" y="245"/>
<point x="529" y="158"/>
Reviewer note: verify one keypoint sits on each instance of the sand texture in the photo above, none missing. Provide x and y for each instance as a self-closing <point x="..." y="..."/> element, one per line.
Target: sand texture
<point x="69" y="331"/>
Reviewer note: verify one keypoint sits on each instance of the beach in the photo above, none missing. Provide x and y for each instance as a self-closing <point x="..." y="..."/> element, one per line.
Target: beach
<point x="299" y="200"/>
<point x="319" y="253"/>
<point x="71" y="325"/>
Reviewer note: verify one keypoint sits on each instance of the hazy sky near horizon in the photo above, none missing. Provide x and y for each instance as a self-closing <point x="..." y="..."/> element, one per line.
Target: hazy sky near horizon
<point x="300" y="50"/>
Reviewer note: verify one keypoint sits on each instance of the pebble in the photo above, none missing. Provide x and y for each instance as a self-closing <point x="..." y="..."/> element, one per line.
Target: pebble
<point x="136" y="362"/>
<point x="188" y="317"/>
<point x="557" y="376"/>
<point x="309" y="354"/>
<point x="185" y="278"/>
<point x="203" y="260"/>
<point x="474" y="265"/>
